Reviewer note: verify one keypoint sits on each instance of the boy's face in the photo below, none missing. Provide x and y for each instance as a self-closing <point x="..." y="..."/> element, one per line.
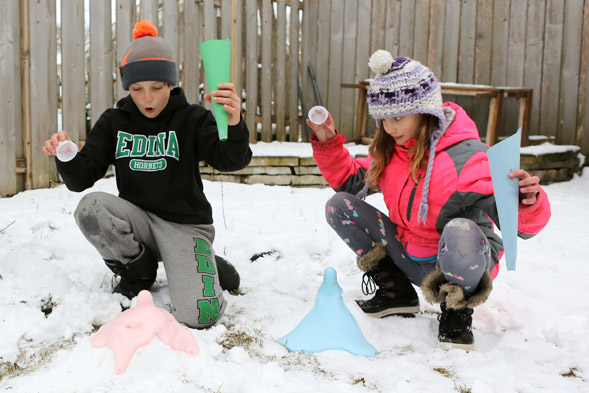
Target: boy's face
<point x="151" y="97"/>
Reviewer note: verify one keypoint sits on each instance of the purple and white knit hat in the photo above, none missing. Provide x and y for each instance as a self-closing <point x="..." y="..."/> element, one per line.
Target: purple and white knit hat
<point x="404" y="86"/>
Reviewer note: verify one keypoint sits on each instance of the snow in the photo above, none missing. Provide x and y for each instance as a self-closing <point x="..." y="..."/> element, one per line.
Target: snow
<point x="531" y="335"/>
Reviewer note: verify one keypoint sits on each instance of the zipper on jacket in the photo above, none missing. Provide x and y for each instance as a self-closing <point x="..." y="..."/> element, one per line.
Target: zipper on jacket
<point x="411" y="198"/>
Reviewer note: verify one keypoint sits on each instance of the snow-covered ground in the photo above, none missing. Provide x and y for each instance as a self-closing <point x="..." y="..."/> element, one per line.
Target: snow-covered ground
<point x="531" y="336"/>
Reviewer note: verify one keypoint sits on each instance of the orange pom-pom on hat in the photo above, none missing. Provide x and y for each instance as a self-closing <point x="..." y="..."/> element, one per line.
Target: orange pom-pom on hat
<point x="144" y="28"/>
<point x="148" y="58"/>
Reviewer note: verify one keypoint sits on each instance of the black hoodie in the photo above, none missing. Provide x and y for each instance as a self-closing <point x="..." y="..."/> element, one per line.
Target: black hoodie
<point x="156" y="160"/>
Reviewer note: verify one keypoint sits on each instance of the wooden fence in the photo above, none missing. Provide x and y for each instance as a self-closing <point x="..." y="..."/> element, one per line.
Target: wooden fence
<point x="57" y="66"/>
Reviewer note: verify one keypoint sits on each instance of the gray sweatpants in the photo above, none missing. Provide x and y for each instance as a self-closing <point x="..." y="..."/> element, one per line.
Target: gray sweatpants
<point x="115" y="227"/>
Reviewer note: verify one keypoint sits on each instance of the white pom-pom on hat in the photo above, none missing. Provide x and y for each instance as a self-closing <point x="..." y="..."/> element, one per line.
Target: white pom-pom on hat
<point x="380" y="61"/>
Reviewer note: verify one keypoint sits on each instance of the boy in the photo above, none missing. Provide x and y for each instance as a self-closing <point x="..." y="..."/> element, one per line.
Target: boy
<point x="155" y="140"/>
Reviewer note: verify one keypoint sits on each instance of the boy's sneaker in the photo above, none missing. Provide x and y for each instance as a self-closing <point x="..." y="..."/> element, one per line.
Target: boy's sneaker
<point x="228" y="276"/>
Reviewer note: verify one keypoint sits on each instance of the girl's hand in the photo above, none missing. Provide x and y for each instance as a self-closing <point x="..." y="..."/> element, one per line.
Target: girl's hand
<point x="529" y="186"/>
<point x="324" y="131"/>
<point x="227" y="96"/>
<point x="51" y="144"/>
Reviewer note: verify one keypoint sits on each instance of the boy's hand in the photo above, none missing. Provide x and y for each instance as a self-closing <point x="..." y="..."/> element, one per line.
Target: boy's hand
<point x="227" y="96"/>
<point x="529" y="186"/>
<point x="53" y="141"/>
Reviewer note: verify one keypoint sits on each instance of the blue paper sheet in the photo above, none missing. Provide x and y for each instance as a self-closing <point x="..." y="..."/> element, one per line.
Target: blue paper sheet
<point x="504" y="158"/>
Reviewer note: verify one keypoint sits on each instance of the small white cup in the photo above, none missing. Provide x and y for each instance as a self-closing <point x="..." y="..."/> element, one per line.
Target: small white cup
<point x="318" y="115"/>
<point x="66" y="151"/>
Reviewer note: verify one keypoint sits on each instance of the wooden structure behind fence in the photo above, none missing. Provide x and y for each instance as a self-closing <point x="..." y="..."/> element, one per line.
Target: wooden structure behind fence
<point x="538" y="44"/>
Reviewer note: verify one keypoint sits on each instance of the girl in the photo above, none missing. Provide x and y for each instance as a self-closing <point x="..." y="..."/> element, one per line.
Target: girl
<point x="433" y="171"/>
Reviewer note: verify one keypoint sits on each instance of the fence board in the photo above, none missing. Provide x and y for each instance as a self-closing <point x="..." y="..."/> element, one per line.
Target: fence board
<point x="336" y="64"/>
<point x="321" y="62"/>
<point x="348" y="102"/>
<point x="266" y="77"/>
<point x="466" y="49"/>
<point x="551" y="68"/>
<point x="421" y="31"/>
<point x="500" y="42"/>
<point x="126" y="14"/>
<point x="451" y="41"/>
<point x="191" y="53"/>
<point x="101" y="62"/>
<point x="582" y="132"/>
<point x="281" y="85"/>
<point x="252" y="68"/>
<point x="310" y="36"/>
<point x="407" y="27"/>
<point x="43" y="88"/>
<point x="377" y="27"/>
<point x="10" y="99"/>
<point x="569" y="75"/>
<point x="293" y="62"/>
<point x="170" y="28"/>
<point x="391" y="30"/>
<point x="72" y="69"/>
<point x="436" y="37"/>
<point x="533" y="60"/>
<point x="149" y="11"/>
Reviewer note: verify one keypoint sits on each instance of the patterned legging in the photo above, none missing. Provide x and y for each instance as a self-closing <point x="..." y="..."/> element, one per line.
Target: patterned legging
<point x="463" y="251"/>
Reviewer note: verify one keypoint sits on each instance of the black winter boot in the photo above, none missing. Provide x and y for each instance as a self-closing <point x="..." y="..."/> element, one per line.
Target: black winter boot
<point x="136" y="275"/>
<point x="455" y="330"/>
<point x="228" y="276"/>
<point x="395" y="294"/>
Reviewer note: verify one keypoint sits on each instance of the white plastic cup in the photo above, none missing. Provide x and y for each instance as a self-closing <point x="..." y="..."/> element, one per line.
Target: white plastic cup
<point x="318" y="115"/>
<point x="66" y="151"/>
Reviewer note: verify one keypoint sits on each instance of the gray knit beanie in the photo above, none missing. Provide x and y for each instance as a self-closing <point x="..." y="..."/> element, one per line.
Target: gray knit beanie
<point x="148" y="58"/>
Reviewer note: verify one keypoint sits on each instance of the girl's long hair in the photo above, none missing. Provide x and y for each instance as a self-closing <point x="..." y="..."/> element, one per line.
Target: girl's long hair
<point x="383" y="145"/>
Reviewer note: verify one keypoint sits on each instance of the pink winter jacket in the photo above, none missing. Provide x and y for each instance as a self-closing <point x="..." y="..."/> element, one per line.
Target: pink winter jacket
<point x="460" y="186"/>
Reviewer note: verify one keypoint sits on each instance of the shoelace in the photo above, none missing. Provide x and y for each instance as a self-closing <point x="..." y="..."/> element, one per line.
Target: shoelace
<point x="368" y="284"/>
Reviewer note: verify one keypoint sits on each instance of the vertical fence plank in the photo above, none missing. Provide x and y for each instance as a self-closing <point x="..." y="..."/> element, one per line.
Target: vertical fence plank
<point x="377" y="26"/>
<point x="451" y="41"/>
<point x="533" y="60"/>
<point x="436" y="37"/>
<point x="569" y="75"/>
<point x="500" y="42"/>
<point x="101" y="62"/>
<point x="407" y="28"/>
<point x="43" y="77"/>
<point x="252" y="68"/>
<point x="348" y="102"/>
<point x="210" y="20"/>
<point x="391" y="27"/>
<point x="336" y="64"/>
<point x="321" y="65"/>
<point x="582" y="132"/>
<point x="482" y="60"/>
<point x="466" y="51"/>
<point x="10" y="100"/>
<point x="126" y="14"/>
<point x="149" y="11"/>
<point x="73" y="74"/>
<point x="310" y="37"/>
<point x="170" y="28"/>
<point x="191" y="53"/>
<point x="266" y="77"/>
<point x="280" y="67"/>
<point x="226" y="8"/>
<point x="294" y="45"/>
<point x="421" y="31"/>
<point x="551" y="67"/>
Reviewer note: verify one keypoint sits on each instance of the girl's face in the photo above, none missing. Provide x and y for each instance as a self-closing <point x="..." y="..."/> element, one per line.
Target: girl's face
<point x="403" y="128"/>
<point x="151" y="97"/>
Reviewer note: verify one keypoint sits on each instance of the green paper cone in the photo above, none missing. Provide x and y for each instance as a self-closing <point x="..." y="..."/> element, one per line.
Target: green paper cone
<point x="216" y="57"/>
